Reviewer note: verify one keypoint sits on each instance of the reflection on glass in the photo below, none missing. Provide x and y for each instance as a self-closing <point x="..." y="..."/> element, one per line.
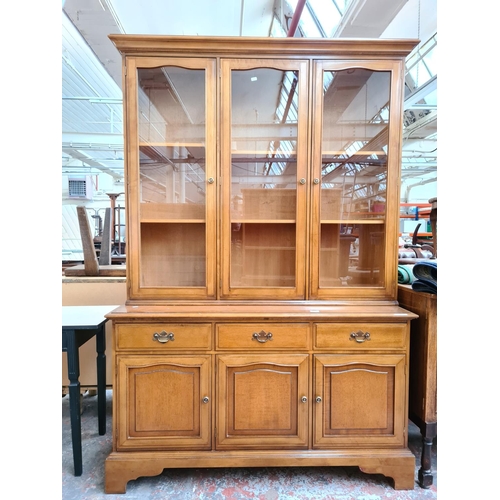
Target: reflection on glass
<point x="353" y="177"/>
<point x="263" y="177"/>
<point x="171" y="118"/>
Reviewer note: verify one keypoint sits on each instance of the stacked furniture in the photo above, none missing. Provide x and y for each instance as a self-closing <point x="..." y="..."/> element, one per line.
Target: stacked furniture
<point x="261" y="326"/>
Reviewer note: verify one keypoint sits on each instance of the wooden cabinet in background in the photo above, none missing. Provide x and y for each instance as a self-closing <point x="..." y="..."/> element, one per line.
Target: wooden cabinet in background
<point x="254" y="333"/>
<point x="423" y="371"/>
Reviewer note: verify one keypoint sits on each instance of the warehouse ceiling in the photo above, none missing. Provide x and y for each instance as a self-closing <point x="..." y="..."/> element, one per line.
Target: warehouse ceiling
<point x="92" y="138"/>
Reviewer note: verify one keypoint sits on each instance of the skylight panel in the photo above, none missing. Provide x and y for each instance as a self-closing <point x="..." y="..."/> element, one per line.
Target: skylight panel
<point x="421" y="64"/>
<point x="420" y="73"/>
<point x="308" y="25"/>
<point x="326" y="13"/>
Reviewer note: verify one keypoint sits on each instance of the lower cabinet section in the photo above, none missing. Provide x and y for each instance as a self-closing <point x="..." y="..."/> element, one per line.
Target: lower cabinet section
<point x="360" y="400"/>
<point x="223" y="393"/>
<point x="262" y="401"/>
<point x="168" y="402"/>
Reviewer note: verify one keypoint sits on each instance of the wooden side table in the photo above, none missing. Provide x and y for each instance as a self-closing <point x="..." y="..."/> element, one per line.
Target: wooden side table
<point x="80" y="324"/>
<point x="423" y="371"/>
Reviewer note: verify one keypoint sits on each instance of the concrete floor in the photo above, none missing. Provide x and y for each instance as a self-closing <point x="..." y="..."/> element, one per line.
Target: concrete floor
<point x="267" y="483"/>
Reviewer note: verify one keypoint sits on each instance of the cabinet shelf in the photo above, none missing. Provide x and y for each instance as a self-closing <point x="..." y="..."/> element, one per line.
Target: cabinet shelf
<point x="156" y="144"/>
<point x="262" y="221"/>
<point x="350" y="222"/>
<point x="236" y="152"/>
<point x="171" y="221"/>
<point x="172" y="212"/>
<point x="269" y="248"/>
<point x="345" y="154"/>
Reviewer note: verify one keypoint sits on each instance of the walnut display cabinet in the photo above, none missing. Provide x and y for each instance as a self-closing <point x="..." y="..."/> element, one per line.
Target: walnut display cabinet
<point x="261" y="326"/>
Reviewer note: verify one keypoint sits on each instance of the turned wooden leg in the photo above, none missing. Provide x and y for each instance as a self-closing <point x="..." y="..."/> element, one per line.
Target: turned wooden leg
<point x="74" y="400"/>
<point x="425" y="477"/>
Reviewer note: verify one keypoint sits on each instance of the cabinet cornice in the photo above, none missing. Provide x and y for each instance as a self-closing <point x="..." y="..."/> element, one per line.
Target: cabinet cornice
<point x="140" y="45"/>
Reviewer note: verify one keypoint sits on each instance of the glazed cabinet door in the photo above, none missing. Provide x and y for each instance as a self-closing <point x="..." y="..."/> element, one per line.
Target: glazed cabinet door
<point x="171" y="150"/>
<point x="264" y="177"/>
<point x="355" y="190"/>
<point x="163" y="402"/>
<point x="359" y="400"/>
<point x="262" y="401"/>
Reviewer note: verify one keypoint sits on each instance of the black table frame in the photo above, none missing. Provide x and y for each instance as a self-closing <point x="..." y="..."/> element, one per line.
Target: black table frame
<point x="73" y="337"/>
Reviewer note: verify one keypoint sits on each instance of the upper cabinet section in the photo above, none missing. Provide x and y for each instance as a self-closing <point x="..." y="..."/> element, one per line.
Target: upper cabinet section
<point x="171" y="165"/>
<point x="262" y="168"/>
<point x="264" y="106"/>
<point x="355" y="177"/>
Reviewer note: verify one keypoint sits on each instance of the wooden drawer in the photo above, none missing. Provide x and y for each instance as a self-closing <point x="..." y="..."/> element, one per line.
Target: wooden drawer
<point x="164" y="336"/>
<point x="262" y="336"/>
<point x="360" y="336"/>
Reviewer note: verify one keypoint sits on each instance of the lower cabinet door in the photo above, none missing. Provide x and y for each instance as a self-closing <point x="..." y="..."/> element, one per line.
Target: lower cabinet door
<point x="163" y="402"/>
<point x="359" y="400"/>
<point x="262" y="401"/>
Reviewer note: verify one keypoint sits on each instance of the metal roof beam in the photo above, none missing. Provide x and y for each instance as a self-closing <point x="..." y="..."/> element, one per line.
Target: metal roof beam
<point x="78" y="155"/>
<point x="79" y="140"/>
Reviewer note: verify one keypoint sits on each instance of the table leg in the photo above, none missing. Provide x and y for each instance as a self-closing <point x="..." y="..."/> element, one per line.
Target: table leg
<point x="101" y="379"/>
<point x="425" y="477"/>
<point x="74" y="400"/>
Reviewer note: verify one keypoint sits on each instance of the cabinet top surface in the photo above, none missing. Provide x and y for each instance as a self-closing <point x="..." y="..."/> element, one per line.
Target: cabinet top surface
<point x="306" y="311"/>
<point x="137" y="44"/>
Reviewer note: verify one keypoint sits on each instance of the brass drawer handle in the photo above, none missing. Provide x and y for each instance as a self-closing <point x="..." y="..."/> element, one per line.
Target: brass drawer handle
<point x="262" y="336"/>
<point x="359" y="336"/>
<point x="163" y="337"/>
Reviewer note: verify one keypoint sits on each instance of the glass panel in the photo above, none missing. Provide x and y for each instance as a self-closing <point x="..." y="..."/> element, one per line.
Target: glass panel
<point x="353" y="177"/>
<point x="263" y="177"/>
<point x="171" y="119"/>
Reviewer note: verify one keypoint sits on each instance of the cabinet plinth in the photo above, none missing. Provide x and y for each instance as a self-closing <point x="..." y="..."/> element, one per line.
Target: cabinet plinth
<point x="261" y="326"/>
